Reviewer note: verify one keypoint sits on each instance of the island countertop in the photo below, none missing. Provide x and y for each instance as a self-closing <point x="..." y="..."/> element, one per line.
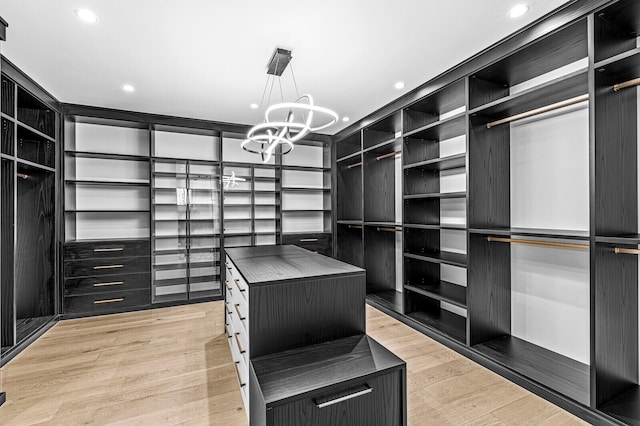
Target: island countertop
<point x="270" y="264"/>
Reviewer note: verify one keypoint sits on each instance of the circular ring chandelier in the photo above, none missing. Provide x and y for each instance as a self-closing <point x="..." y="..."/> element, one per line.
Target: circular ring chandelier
<point x="294" y="121"/>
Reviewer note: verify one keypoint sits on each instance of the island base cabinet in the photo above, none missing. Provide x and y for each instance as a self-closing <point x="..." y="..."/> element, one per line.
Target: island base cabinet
<point x="370" y="401"/>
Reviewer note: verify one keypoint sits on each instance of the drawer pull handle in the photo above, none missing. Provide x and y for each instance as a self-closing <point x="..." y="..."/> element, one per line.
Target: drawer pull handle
<point x="226" y="284"/>
<point x="226" y="331"/>
<point x="242" y="317"/>
<point x="108" y="284"/>
<point x="103" y="250"/>
<point x="226" y="306"/>
<point x="344" y="398"/>
<point x="108" y="267"/>
<point x="238" y="373"/>
<point x="102" y="302"/>
<point x="238" y="285"/>
<point x="240" y="348"/>
<point x="309" y="240"/>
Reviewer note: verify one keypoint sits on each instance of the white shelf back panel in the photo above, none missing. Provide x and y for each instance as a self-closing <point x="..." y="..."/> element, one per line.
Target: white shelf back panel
<point x="108" y="198"/>
<point x="453" y="241"/>
<point x="185" y="145"/>
<point x="300" y="222"/>
<point x="237" y="226"/>
<point x="170" y="289"/>
<point x="453" y="211"/>
<point x="204" y="286"/>
<point x="265" y="212"/>
<point x="304" y="201"/>
<point x="232" y="151"/>
<point x="550" y="170"/>
<point x="550" y="299"/>
<point x="454" y="180"/>
<point x="265" y="225"/>
<point x="453" y="146"/>
<point x="302" y="179"/>
<point x="265" y="240"/>
<point x="109" y="139"/>
<point x="237" y="212"/>
<point x="107" y="226"/>
<point x="106" y="169"/>
<point x="453" y="274"/>
<point x="305" y="155"/>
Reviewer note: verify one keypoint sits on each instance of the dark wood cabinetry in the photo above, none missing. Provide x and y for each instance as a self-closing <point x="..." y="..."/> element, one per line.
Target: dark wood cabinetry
<point x="106" y="276"/>
<point x="296" y="323"/>
<point x="519" y="209"/>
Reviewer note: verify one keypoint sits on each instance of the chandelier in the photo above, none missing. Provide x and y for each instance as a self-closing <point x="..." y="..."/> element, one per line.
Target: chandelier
<point x="285" y="122"/>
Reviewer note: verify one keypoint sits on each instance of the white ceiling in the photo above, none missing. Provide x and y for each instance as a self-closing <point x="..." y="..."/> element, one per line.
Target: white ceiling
<point x="206" y="58"/>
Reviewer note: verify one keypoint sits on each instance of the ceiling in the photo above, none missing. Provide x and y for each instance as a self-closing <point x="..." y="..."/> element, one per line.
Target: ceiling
<point x="207" y="59"/>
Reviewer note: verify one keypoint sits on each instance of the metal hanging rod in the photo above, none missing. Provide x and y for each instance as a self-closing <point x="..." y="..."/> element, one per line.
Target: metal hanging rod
<point x="620" y="250"/>
<point x="538" y="243"/>
<point x="351" y="166"/>
<point x="630" y="83"/>
<point x="537" y="111"/>
<point x="355" y="226"/>
<point x="390" y="154"/>
<point x="22" y="176"/>
<point x="388" y="229"/>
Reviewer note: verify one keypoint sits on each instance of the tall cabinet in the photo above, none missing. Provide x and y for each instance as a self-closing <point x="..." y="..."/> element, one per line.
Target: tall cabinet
<point x="28" y="226"/>
<point x="519" y="208"/>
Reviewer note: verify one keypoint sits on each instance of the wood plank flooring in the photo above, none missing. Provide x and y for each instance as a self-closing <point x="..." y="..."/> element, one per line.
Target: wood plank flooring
<point x="172" y="366"/>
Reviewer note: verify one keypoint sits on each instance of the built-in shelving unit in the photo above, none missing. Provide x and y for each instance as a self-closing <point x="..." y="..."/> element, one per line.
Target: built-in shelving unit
<point x="28" y="224"/>
<point x="519" y="208"/>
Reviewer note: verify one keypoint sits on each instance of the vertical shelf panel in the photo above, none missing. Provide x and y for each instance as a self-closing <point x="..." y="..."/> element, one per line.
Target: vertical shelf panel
<point x="7" y="309"/>
<point x="35" y="250"/>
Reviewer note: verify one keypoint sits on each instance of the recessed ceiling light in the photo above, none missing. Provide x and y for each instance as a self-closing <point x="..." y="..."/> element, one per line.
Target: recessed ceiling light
<point x="128" y="88"/>
<point x="86" y="15"/>
<point x="253" y="106"/>
<point x="399" y="85"/>
<point x="345" y="119"/>
<point x="518" y="11"/>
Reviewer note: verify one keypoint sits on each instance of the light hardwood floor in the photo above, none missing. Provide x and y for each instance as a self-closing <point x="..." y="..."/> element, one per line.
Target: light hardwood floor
<point x="173" y="366"/>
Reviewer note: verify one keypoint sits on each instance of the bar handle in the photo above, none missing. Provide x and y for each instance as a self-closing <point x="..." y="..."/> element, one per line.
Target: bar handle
<point x="345" y="398"/>
<point x="240" y="348"/>
<point x="226" y="284"/>
<point x="238" y="373"/>
<point x="242" y="317"/>
<point x="102" y="302"/>
<point x="229" y="311"/>
<point x="108" y="284"/>
<point x="108" y="267"/>
<point x="309" y="240"/>
<point x="103" y="250"/>
<point x="238" y="285"/>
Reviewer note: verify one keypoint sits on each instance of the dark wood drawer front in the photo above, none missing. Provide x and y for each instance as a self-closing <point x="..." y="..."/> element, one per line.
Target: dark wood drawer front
<point x="106" y="284"/>
<point x="320" y="243"/>
<point x="103" y="267"/>
<point x="115" y="300"/>
<point x="374" y="401"/>
<point x="106" y="249"/>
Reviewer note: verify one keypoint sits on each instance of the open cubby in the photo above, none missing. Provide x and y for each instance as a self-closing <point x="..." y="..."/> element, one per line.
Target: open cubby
<point x="349" y="183"/>
<point x="549" y="53"/>
<point x="381" y="176"/>
<point x="6" y="138"/>
<point x="616" y="29"/>
<point x="348" y="146"/>
<point x="7" y="91"/>
<point x="380" y="258"/>
<point x="436" y="315"/>
<point x="36" y="114"/>
<point x="383" y="131"/>
<point x="349" y="244"/>
<point x="435" y="107"/>
<point x="35" y="148"/>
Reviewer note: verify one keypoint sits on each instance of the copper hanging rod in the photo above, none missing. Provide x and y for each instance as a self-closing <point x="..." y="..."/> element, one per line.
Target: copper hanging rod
<point x="620" y="250"/>
<point x="390" y="154"/>
<point x="538" y="243"/>
<point x="355" y="227"/>
<point x="630" y="83"/>
<point x="351" y="166"/>
<point x="388" y="229"/>
<point x="22" y="176"/>
<point x="537" y="111"/>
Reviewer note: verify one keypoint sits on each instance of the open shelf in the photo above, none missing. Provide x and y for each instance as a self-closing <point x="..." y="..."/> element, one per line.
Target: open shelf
<point x="563" y="374"/>
<point x="533" y="232"/>
<point x="105" y="156"/>
<point x="454" y="259"/>
<point x="443" y="291"/>
<point x="458" y="194"/>
<point x="444" y="321"/>
<point x="439" y="164"/>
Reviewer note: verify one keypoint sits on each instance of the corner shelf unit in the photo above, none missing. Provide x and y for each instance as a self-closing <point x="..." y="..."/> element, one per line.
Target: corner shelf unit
<point x="29" y="141"/>
<point x="518" y="217"/>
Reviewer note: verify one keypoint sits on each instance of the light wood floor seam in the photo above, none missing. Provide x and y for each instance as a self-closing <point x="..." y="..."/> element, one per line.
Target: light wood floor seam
<point x="172" y="366"/>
